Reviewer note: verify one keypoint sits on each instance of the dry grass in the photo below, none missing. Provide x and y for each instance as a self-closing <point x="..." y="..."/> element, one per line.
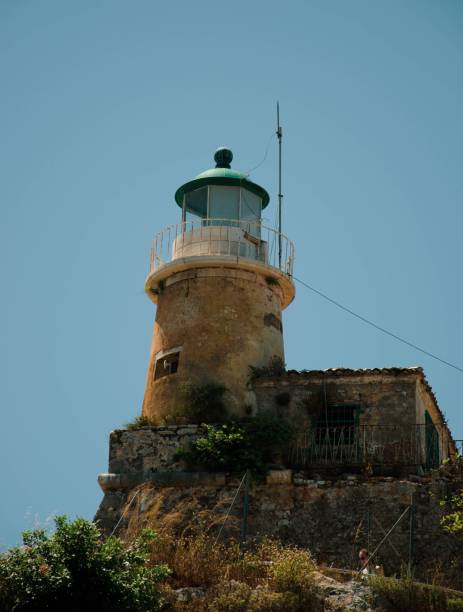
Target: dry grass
<point x="405" y="595"/>
<point x="197" y="561"/>
<point x="181" y="511"/>
<point x="269" y="578"/>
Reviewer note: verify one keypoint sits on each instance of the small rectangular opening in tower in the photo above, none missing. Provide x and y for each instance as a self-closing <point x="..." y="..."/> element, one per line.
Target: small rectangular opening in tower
<point x="166" y="364"/>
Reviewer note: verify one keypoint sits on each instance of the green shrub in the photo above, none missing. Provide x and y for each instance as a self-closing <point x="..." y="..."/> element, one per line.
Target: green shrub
<point x="73" y="569"/>
<point x="292" y="572"/>
<point x="452" y="522"/>
<point x="231" y="596"/>
<point x="250" y="443"/>
<point x="263" y="600"/>
<point x="404" y="595"/>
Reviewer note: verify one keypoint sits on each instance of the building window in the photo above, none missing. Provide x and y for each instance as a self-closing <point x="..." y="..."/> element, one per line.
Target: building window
<point x="337" y="424"/>
<point x="166" y="364"/>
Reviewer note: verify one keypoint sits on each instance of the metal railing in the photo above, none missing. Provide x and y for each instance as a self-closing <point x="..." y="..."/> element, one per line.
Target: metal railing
<point x="222" y="238"/>
<point x="367" y="445"/>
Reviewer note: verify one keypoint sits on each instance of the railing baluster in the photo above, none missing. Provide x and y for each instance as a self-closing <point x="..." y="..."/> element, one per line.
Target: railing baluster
<point x="166" y="244"/>
<point x="366" y="444"/>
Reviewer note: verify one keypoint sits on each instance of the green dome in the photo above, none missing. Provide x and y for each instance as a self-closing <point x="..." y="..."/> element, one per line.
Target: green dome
<point x="222" y="174"/>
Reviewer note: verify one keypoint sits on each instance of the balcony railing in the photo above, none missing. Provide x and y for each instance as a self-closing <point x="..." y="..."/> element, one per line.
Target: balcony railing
<point x="247" y="240"/>
<point x="367" y="445"/>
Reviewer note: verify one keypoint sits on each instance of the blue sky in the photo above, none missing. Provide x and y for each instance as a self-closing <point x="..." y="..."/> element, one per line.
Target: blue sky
<point x="107" y="107"/>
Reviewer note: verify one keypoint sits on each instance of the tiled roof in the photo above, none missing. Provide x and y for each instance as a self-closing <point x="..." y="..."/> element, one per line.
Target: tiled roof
<point x="358" y="372"/>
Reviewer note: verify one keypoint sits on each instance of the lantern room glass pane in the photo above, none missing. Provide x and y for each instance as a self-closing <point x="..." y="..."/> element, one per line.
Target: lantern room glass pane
<point x="196" y="202"/>
<point x="251" y="205"/>
<point x="250" y="211"/>
<point x="224" y="202"/>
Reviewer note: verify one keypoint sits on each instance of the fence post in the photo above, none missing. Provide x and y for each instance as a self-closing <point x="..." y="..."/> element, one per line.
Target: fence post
<point x="368" y="523"/>
<point x="244" y="524"/>
<point x="411" y="535"/>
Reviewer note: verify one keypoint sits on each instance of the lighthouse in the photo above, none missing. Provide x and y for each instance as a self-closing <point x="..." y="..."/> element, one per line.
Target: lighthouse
<point x="220" y="280"/>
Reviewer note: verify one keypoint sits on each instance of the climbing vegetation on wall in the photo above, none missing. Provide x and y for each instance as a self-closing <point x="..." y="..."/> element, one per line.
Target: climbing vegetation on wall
<point x="237" y="445"/>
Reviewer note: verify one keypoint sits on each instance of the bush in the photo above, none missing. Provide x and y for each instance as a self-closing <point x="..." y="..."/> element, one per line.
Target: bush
<point x="231" y="596"/>
<point x="73" y="569"/>
<point x="404" y="595"/>
<point x="292" y="572"/>
<point x="250" y="443"/>
<point x="452" y="522"/>
<point x="263" y="600"/>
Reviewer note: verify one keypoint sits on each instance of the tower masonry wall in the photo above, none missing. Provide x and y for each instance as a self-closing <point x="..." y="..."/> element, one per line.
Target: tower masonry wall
<point x="221" y="321"/>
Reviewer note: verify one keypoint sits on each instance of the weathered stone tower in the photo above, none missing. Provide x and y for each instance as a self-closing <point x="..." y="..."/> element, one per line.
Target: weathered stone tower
<point x="220" y="280"/>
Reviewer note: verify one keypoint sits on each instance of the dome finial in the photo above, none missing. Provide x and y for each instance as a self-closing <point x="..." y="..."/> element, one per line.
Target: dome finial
<point x="223" y="157"/>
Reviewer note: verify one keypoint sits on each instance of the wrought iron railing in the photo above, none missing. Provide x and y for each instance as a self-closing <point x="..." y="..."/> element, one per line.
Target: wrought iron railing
<point x="223" y="238"/>
<point x="367" y="445"/>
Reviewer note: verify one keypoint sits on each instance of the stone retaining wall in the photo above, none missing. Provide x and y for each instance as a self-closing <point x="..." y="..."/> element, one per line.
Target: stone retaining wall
<point x="149" y="448"/>
<point x="331" y="518"/>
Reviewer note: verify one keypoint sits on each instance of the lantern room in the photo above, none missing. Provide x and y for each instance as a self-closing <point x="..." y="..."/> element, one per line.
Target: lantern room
<point x="222" y="196"/>
<point x="221" y="226"/>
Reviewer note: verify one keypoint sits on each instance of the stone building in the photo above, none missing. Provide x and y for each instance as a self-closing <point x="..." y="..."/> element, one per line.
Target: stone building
<point x="220" y="280"/>
<point x="382" y="417"/>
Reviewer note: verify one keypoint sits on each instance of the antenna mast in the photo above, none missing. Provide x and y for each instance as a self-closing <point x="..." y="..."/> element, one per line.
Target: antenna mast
<point x="279" y="133"/>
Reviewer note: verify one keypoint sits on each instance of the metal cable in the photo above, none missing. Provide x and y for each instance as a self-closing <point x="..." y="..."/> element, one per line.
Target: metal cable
<point x="229" y="509"/>
<point x="378" y="327"/>
<point x="370" y="557"/>
<point x="124" y="513"/>
<point x="265" y="156"/>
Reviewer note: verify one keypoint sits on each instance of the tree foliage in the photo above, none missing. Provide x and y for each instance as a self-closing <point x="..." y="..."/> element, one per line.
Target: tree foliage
<point x="75" y="569"/>
<point x="452" y="521"/>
